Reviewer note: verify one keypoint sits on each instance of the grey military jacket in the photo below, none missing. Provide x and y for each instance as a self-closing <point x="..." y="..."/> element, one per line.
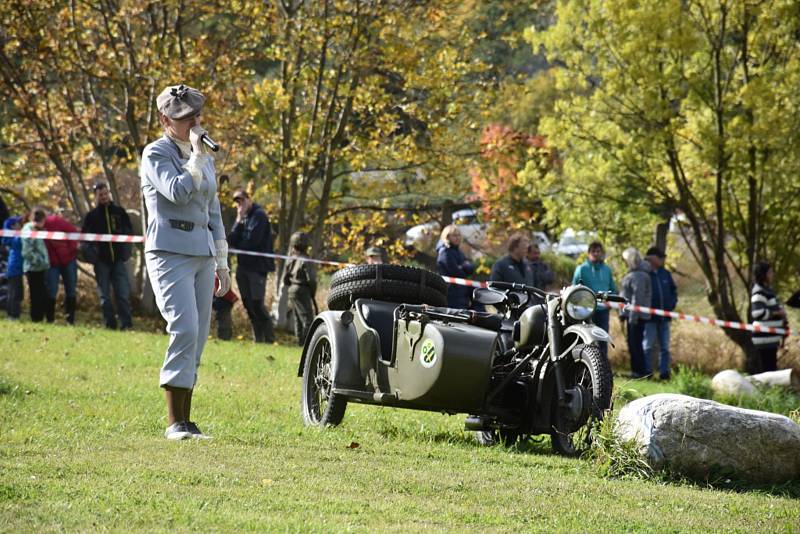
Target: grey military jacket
<point x="180" y="218"/>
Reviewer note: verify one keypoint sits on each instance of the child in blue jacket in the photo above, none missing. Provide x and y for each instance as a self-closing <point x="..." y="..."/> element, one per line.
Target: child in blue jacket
<point x="16" y="287"/>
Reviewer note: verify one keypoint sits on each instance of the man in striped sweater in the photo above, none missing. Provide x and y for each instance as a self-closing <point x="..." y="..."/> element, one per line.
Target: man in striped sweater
<point x="765" y="310"/>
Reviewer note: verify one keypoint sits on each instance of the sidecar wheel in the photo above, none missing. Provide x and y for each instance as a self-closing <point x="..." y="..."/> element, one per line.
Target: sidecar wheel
<point x="490" y="438"/>
<point x="320" y="406"/>
<point x="392" y="283"/>
<point x="593" y="373"/>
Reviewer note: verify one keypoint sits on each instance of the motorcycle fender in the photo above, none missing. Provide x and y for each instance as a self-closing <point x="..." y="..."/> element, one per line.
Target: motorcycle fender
<point x="589" y="333"/>
<point x="344" y="350"/>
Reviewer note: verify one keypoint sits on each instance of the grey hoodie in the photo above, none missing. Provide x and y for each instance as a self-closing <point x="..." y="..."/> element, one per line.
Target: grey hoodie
<point x="637" y="290"/>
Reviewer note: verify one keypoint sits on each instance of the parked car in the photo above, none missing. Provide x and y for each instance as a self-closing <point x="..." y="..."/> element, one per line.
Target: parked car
<point x="541" y="239"/>
<point x="425" y="237"/>
<point x="573" y="244"/>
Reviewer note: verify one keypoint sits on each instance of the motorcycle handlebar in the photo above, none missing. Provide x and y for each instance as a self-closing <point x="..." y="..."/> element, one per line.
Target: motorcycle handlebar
<point x="602" y="296"/>
<point x="521" y="287"/>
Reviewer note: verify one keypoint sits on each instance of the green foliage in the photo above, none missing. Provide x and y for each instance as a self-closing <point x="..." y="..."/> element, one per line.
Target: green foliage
<point x="563" y="267"/>
<point x="679" y="107"/>
<point x="767" y="399"/>
<point x="693" y="383"/>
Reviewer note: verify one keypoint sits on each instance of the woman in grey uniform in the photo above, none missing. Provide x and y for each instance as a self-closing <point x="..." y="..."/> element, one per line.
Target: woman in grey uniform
<point x="184" y="245"/>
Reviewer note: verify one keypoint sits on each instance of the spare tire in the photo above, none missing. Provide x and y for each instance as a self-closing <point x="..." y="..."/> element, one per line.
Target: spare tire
<point x="393" y="283"/>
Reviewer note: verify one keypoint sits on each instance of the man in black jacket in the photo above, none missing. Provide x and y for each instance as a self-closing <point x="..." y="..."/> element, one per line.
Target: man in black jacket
<point x="252" y="232"/>
<point x="512" y="267"/>
<point x="110" y="259"/>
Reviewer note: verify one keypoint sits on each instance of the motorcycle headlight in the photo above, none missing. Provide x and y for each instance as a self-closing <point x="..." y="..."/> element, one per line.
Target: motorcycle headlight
<point x="580" y="303"/>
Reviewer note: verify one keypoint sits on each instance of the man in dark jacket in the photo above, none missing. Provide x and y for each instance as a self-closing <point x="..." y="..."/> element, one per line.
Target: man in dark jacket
<point x="252" y="232"/>
<point x="543" y="276"/>
<point x="513" y="267"/>
<point x="110" y="259"/>
<point x="664" y="297"/>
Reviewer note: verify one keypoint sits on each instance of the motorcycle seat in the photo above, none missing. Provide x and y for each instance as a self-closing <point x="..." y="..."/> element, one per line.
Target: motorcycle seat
<point x="379" y="315"/>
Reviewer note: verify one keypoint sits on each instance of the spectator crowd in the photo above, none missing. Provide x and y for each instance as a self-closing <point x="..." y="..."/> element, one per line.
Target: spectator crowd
<point x="50" y="265"/>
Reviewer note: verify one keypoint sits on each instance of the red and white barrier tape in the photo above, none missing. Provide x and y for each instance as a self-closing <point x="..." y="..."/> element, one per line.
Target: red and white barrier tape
<point x="705" y="320"/>
<point x="72" y="236"/>
<point x="463" y="281"/>
<point x="114" y="238"/>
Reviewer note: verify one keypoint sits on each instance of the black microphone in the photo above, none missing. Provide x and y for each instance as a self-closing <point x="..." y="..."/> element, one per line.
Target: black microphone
<point x="209" y="142"/>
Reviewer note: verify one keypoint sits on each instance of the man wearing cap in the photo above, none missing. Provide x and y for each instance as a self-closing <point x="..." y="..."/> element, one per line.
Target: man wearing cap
<point x="664" y="297"/>
<point x="184" y="245"/>
<point x="375" y="255"/>
<point x="253" y="232"/>
<point x="110" y="259"/>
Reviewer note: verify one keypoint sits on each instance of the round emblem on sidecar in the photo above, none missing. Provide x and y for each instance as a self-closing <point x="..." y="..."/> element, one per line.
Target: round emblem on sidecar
<point x="428" y="354"/>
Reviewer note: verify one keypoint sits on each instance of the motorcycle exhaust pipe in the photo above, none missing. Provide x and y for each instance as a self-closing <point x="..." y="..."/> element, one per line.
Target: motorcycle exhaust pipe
<point x="475" y="423"/>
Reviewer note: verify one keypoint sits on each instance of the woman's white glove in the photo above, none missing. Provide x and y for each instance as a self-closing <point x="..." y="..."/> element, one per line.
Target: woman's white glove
<point x="198" y="158"/>
<point x="223" y="271"/>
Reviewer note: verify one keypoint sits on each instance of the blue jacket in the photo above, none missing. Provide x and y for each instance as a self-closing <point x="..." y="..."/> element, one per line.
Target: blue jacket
<point x="595" y="276"/>
<point x="180" y="218"/>
<point x="14" y="245"/>
<point x="452" y="262"/>
<point x="665" y="293"/>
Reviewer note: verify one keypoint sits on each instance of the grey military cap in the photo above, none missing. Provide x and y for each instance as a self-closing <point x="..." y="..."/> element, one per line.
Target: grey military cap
<point x="180" y="102"/>
<point x="374" y="251"/>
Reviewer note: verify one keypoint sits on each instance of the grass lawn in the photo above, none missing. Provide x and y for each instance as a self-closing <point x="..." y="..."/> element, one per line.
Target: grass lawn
<point x="81" y="448"/>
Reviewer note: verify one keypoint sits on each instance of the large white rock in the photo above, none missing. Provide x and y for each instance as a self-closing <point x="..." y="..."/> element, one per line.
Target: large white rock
<point x="699" y="438"/>
<point x="730" y="382"/>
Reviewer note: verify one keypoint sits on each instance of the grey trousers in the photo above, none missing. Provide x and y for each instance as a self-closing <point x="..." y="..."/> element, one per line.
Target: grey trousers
<point x="183" y="287"/>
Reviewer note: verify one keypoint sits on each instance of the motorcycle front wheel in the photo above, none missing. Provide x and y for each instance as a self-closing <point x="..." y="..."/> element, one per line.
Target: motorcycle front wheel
<point x="319" y="404"/>
<point x="592" y="373"/>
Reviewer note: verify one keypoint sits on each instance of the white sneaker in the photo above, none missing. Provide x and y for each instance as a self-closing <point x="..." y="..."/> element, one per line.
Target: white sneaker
<point x="178" y="431"/>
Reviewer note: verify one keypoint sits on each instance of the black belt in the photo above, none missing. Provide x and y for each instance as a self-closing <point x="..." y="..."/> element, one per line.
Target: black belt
<point x="186" y="226"/>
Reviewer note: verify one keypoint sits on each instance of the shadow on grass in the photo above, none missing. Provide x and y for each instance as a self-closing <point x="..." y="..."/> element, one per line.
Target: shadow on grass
<point x="725" y="481"/>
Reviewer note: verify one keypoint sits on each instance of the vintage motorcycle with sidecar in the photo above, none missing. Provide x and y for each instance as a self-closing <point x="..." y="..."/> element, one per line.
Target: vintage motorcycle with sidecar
<point x="531" y="368"/>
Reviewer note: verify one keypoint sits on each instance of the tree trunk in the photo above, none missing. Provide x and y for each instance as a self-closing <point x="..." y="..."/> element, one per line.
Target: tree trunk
<point x="660" y="236"/>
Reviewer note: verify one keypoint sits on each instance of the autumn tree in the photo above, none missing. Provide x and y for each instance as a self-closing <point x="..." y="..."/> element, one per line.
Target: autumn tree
<point x="360" y="103"/>
<point x="506" y="198"/>
<point x="681" y="106"/>
<point x="79" y="80"/>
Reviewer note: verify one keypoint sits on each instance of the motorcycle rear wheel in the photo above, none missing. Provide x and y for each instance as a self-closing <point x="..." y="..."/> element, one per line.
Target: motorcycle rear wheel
<point x="319" y="405"/>
<point x="593" y="372"/>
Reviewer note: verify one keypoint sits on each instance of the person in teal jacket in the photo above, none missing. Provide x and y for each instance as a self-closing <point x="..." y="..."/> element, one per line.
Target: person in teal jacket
<point x="595" y="274"/>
